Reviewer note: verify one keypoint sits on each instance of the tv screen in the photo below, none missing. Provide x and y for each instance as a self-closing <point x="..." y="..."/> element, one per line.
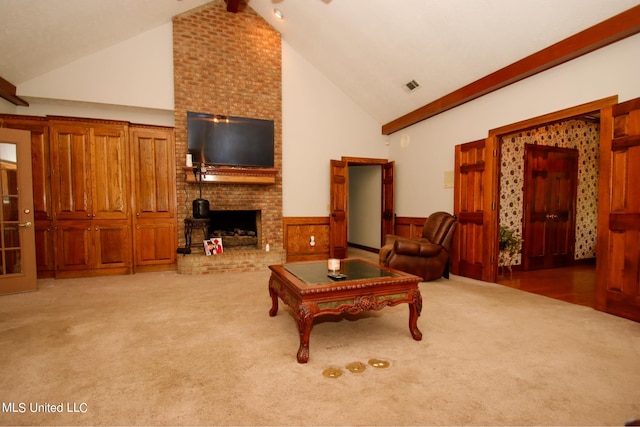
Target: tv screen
<point x="230" y="141"/>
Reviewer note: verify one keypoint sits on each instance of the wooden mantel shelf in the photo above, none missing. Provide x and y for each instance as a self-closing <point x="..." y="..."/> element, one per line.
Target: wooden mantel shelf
<point x="229" y="175"/>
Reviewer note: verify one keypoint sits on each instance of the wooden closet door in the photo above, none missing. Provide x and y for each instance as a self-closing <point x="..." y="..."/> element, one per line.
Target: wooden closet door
<point x="617" y="268"/>
<point x="338" y="233"/>
<point x="388" y="203"/>
<point x="153" y="173"/>
<point x="550" y="188"/>
<point x="110" y="171"/>
<point x="153" y="184"/>
<point x="71" y="171"/>
<point x="474" y="251"/>
<point x="74" y="246"/>
<point x="112" y="244"/>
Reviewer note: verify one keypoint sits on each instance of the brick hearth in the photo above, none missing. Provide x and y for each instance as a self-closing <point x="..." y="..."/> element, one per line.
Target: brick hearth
<point x="233" y="259"/>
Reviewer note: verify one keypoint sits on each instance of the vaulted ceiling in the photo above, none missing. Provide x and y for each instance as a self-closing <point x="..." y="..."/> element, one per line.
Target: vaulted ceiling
<point x="370" y="49"/>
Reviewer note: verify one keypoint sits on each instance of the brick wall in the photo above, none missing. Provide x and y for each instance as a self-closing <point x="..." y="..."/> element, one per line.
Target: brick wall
<point x="229" y="64"/>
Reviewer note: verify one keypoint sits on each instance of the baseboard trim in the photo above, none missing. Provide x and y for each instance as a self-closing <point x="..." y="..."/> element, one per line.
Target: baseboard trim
<point x="362" y="247"/>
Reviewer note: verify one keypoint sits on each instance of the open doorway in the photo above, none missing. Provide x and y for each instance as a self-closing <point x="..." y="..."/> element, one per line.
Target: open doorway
<point x="575" y="281"/>
<point x="340" y="196"/>
<point x="579" y="133"/>
<point x="365" y="207"/>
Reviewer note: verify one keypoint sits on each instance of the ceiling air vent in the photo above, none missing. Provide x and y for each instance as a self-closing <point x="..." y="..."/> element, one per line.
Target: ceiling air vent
<point x="411" y="86"/>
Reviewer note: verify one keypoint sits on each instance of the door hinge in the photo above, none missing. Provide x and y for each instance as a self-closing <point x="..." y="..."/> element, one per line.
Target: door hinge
<point x="495" y="152"/>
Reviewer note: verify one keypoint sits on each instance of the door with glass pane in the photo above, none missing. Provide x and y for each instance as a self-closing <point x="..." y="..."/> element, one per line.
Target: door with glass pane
<point x="17" y="232"/>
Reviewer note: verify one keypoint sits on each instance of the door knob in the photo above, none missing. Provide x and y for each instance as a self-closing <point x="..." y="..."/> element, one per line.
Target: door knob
<point x="25" y="225"/>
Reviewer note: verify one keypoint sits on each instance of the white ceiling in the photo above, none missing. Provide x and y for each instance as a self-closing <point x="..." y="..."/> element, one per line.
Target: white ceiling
<point x="368" y="48"/>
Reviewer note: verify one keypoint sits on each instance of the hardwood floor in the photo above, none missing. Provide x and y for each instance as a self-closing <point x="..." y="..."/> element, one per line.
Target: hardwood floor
<point x="576" y="284"/>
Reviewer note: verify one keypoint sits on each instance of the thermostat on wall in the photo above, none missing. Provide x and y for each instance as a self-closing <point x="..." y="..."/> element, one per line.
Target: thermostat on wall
<point x="448" y="179"/>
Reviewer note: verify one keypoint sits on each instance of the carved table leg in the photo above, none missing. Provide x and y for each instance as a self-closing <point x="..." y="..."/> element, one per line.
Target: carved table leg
<point x="274" y="299"/>
<point x="305" y="323"/>
<point x="415" y="308"/>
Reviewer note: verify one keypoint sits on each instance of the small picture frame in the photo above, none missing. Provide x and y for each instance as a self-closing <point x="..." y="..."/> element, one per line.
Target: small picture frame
<point x="213" y="246"/>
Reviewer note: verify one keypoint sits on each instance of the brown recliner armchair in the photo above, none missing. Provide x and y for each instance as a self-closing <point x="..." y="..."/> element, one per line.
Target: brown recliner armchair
<point x="427" y="257"/>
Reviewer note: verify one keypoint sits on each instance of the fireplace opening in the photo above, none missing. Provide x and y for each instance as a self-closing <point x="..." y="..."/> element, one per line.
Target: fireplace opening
<point x="235" y="227"/>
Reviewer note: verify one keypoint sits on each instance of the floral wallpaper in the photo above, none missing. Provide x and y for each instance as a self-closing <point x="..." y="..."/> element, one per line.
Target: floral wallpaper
<point x="577" y="134"/>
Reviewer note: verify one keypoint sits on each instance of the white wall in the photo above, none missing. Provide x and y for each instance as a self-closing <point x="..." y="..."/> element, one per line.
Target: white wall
<point x="135" y="73"/>
<point x="7" y="107"/>
<point x="420" y="166"/>
<point x="320" y="123"/>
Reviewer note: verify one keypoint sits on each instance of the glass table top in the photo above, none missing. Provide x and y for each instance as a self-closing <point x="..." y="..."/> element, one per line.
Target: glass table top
<point x="315" y="273"/>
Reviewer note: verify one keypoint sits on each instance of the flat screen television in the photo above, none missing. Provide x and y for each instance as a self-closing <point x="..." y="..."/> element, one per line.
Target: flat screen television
<point x="230" y="141"/>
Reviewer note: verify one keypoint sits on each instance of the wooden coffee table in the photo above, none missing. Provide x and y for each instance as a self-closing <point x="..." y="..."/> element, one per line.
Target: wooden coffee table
<point x="305" y="287"/>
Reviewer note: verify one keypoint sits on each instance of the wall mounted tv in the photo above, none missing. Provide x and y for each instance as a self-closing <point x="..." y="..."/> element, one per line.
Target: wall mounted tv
<point x="230" y="141"/>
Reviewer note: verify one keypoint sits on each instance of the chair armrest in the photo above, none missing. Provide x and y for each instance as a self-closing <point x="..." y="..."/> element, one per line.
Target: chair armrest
<point x="420" y="248"/>
<point x="384" y="253"/>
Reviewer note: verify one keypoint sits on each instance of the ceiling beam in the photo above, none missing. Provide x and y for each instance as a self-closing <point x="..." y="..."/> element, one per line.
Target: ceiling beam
<point x="8" y="92"/>
<point x="606" y="32"/>
<point x="232" y="5"/>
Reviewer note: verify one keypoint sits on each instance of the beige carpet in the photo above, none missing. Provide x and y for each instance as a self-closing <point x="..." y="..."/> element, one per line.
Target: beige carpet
<point x="169" y="349"/>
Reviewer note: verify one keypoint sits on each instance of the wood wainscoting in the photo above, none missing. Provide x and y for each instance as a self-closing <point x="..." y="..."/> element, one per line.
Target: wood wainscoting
<point x="298" y="232"/>
<point x="297" y="238"/>
<point x="409" y="226"/>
